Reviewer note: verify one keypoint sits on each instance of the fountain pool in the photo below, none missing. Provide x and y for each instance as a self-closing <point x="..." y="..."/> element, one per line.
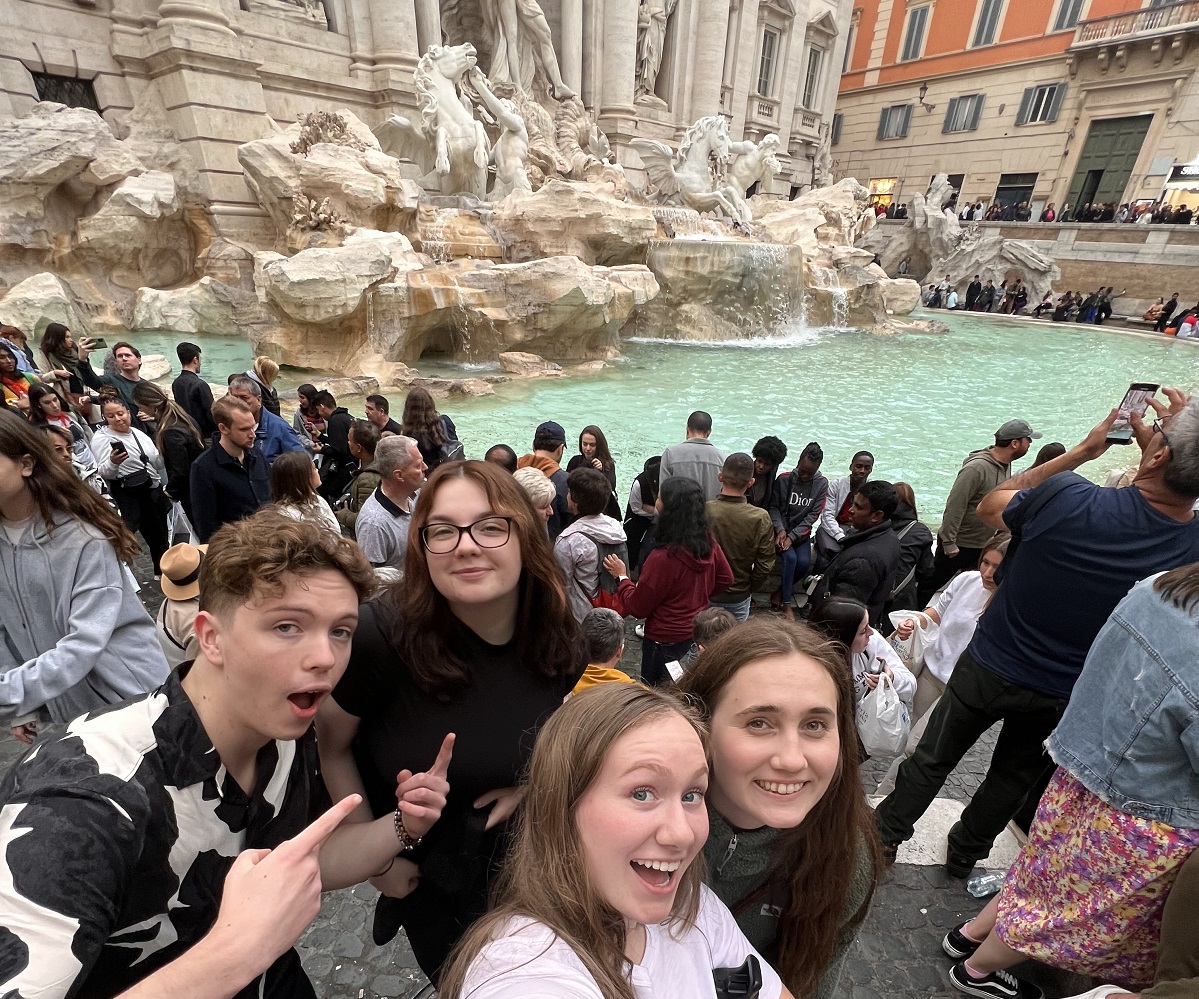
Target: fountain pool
<point x="918" y="401"/>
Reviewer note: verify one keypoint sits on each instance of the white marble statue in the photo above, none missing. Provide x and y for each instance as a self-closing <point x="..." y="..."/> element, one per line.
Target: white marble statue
<point x="520" y="43"/>
<point x="652" y="16"/>
<point x="510" y="154"/>
<point x="753" y="162"/>
<point x="450" y="145"/>
<point x="686" y="177"/>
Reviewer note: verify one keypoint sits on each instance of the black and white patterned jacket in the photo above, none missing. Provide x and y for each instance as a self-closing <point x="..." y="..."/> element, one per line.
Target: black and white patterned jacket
<point x="115" y="839"/>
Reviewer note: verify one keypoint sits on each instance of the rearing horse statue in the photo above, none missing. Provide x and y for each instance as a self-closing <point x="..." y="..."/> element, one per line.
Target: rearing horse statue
<point x="688" y="176"/>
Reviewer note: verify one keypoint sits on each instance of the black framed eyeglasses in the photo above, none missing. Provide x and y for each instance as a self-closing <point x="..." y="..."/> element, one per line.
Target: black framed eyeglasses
<point x="490" y="532"/>
<point x="1159" y="428"/>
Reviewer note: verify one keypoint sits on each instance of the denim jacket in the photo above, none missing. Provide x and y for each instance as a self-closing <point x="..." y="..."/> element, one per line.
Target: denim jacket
<point x="1131" y="731"/>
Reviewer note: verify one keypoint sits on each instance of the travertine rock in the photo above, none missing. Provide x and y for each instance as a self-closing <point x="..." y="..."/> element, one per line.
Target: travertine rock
<point x="557" y="307"/>
<point x="574" y="219"/>
<point x="517" y="362"/>
<point x="207" y="307"/>
<point x="721" y="289"/>
<point x="363" y="185"/>
<point x="324" y="285"/>
<point x="901" y="295"/>
<point x="43" y="159"/>
<point x="139" y="236"/>
<point x="155" y="366"/>
<point x="827" y="216"/>
<point x="39" y="300"/>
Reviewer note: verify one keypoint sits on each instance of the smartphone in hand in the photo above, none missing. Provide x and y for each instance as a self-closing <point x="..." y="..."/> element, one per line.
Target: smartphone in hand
<point x="1136" y="400"/>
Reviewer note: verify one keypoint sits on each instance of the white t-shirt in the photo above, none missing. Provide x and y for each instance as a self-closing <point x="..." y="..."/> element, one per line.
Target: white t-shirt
<point x="527" y="961"/>
<point x="878" y="647"/>
<point x="959" y="606"/>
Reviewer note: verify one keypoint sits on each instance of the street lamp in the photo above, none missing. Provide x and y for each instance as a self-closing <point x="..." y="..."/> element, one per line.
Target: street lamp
<point x="923" y="94"/>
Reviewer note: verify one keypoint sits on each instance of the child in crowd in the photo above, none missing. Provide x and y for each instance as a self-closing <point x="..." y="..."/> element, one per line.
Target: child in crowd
<point x="176" y="621"/>
<point x="603" y="635"/>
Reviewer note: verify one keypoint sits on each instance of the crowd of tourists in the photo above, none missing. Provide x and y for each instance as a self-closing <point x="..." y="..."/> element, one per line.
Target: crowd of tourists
<point x="540" y="819"/>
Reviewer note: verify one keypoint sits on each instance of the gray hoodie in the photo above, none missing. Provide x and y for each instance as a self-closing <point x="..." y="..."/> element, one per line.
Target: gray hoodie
<point x="73" y="634"/>
<point x="576" y="552"/>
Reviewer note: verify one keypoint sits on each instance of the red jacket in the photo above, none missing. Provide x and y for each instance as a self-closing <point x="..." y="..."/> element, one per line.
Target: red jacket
<point x="673" y="587"/>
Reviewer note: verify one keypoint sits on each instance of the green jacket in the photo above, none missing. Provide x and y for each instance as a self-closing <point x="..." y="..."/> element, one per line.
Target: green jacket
<point x="361" y="486"/>
<point x="979" y="474"/>
<point x="746" y="537"/>
<point x="738" y="861"/>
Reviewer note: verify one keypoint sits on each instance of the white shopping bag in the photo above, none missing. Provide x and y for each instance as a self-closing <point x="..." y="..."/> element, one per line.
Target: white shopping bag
<point x="179" y="528"/>
<point x="912" y="649"/>
<point x="883" y="722"/>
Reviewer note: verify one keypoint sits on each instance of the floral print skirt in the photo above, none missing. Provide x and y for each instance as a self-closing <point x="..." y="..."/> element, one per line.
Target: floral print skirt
<point x="1087" y="891"/>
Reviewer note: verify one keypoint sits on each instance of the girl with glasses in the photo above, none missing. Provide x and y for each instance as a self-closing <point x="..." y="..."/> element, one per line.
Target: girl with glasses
<point x="478" y="640"/>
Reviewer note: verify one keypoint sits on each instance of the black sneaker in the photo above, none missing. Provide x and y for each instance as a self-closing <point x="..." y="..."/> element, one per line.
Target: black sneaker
<point x="997" y="985"/>
<point x="957" y="945"/>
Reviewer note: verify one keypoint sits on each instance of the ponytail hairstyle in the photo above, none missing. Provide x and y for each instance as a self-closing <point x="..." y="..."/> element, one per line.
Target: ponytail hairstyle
<point x="813" y="453"/>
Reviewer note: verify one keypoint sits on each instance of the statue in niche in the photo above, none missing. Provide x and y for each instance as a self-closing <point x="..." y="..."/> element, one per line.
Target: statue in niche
<point x="753" y="162"/>
<point x="520" y="44"/>
<point x="824" y="160"/>
<point x="687" y="177"/>
<point x="510" y="154"/>
<point x="450" y="145"/>
<point x="652" y="16"/>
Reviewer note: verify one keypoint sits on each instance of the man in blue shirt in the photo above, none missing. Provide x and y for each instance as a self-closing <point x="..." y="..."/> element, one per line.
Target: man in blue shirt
<point x="1077" y="549"/>
<point x="274" y="435"/>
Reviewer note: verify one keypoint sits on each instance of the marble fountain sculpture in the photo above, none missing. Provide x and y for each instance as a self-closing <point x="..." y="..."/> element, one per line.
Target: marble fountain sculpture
<point x="494" y="223"/>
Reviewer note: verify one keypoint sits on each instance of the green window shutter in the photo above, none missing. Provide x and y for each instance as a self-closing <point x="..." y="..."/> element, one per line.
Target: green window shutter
<point x="1025" y="106"/>
<point x="882" y="124"/>
<point x="1059" y="95"/>
<point x="907" y="119"/>
<point x="949" y="113"/>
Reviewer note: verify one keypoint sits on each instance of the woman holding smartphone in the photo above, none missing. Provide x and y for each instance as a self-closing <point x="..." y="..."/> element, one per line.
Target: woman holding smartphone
<point x="129" y="462"/>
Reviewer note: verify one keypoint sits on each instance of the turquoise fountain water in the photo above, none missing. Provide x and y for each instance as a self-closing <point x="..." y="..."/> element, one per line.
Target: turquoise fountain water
<point x="919" y="402"/>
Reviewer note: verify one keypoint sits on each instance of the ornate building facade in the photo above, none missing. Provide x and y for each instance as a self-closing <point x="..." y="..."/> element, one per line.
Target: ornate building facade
<point x="221" y="71"/>
<point x="1062" y="101"/>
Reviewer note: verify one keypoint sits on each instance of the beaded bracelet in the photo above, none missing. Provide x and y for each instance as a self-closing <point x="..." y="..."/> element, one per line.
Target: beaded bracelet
<point x="407" y="841"/>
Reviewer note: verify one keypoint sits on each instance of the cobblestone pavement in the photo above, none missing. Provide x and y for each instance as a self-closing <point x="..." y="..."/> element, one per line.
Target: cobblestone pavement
<point x="897" y="954"/>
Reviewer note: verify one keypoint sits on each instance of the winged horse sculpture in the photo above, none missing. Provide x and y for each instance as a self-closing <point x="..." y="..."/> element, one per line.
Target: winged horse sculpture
<point x="690" y="177"/>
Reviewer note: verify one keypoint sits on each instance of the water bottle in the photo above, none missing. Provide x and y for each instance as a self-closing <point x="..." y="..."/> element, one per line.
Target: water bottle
<point x="985" y="884"/>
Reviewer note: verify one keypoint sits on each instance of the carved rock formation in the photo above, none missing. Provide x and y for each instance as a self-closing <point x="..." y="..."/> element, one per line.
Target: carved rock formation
<point x="41" y="299"/>
<point x="574" y="219"/>
<point x="901" y="295"/>
<point x="207" y="307"/>
<point x="721" y="289"/>
<point x="557" y="307"/>
<point x="363" y="185"/>
<point x="518" y="362"/>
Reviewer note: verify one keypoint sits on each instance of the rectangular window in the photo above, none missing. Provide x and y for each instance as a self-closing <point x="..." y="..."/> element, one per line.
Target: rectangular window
<point x="811" y="83"/>
<point x="1068" y="15"/>
<point x="913" y="39"/>
<point x="770" y="44"/>
<point x="893" y="121"/>
<point x="68" y="90"/>
<point x="963" y="113"/>
<point x="988" y="22"/>
<point x="1041" y="103"/>
<point x="849" y="40"/>
<point x="838" y="121"/>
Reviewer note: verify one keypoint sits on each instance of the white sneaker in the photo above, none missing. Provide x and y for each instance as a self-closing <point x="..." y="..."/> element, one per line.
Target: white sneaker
<point x="639" y="629"/>
<point x="1102" y="992"/>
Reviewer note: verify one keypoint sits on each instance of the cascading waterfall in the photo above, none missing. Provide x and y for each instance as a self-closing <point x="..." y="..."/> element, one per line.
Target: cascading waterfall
<point x="827" y="280"/>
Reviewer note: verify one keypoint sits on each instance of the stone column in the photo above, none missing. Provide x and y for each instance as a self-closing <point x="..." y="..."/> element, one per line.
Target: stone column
<point x="617" y="112"/>
<point x="394" y="31"/>
<point x="208" y="79"/>
<point x="428" y="24"/>
<point x="711" y="33"/>
<point x="571" y="50"/>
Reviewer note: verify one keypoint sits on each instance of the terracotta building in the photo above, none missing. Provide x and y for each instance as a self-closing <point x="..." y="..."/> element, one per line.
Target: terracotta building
<point x="1062" y="101"/>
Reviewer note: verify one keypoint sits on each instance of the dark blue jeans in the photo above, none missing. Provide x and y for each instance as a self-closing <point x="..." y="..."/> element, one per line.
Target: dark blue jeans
<point x="796" y="560"/>
<point x="655" y="656"/>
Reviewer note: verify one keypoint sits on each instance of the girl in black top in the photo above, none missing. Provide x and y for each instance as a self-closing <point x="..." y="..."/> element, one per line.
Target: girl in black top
<point x="178" y="440"/>
<point x="478" y="640"/>
<point x="594" y="453"/>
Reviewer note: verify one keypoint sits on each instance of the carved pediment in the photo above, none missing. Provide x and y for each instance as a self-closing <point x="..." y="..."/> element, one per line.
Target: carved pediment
<point x="825" y="24"/>
<point x="780" y="8"/>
